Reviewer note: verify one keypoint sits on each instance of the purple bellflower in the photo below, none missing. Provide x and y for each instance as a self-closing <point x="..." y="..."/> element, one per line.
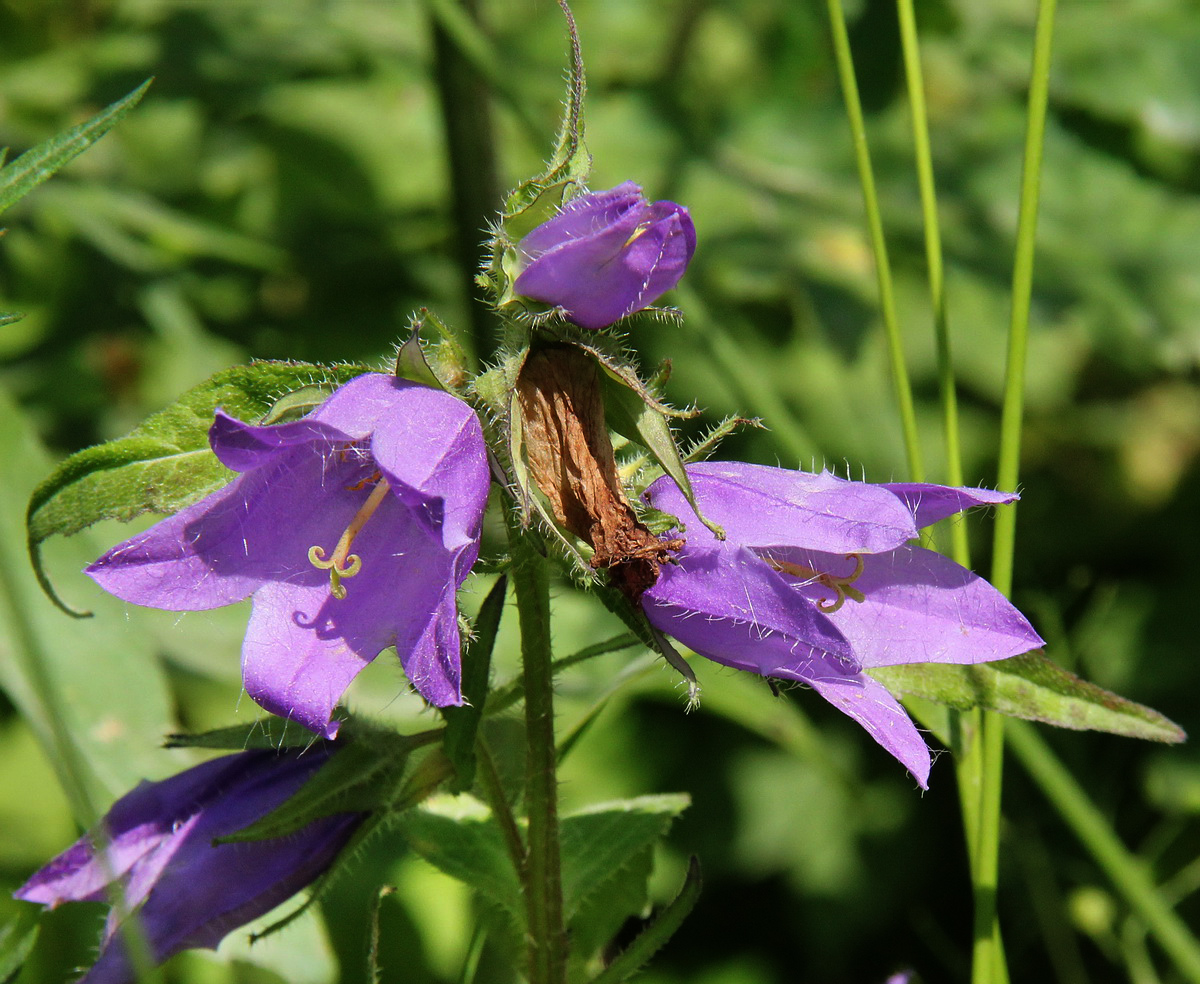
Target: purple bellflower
<point x="817" y="581"/>
<point x="160" y="849"/>
<point x="352" y="528"/>
<point x="606" y="255"/>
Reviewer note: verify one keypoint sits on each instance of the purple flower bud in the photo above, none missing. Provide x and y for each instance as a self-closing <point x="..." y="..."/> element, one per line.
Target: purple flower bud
<point x="160" y="848"/>
<point x="606" y="255"/>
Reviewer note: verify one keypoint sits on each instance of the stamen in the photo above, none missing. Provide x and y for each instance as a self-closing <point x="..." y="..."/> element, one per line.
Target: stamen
<point x="343" y="563"/>
<point x="837" y="583"/>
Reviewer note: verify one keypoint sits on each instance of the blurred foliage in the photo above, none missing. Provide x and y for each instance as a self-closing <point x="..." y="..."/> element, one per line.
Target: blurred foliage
<point x="284" y="191"/>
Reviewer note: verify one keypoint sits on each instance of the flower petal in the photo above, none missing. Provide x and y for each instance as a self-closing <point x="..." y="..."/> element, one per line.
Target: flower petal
<point x="256" y="529"/>
<point x="727" y="605"/>
<point x="871" y="704"/>
<point x="303" y="646"/>
<point x="761" y="506"/>
<point x="929" y="503"/>
<point x="921" y="607"/>
<point x="582" y="217"/>
<point x="244" y="447"/>
<point x="432" y="452"/>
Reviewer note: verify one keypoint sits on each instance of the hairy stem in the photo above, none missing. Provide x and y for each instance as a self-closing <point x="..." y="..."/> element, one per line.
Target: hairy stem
<point x="542" y="875"/>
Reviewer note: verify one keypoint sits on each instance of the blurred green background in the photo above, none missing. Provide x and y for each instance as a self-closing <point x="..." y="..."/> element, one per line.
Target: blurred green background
<point x="293" y="187"/>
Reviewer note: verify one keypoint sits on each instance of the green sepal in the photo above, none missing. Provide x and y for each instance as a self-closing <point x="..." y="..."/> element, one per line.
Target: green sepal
<point x="34" y="166"/>
<point x="1030" y="687"/>
<point x="366" y="775"/>
<point x="432" y="355"/>
<point x="635" y="956"/>
<point x="165" y="463"/>
<point x="270" y="732"/>
<point x="17" y="939"/>
<point x="462" y="723"/>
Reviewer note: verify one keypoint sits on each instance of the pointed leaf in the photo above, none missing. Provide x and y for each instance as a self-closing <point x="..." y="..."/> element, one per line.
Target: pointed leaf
<point x="269" y="732"/>
<point x="363" y="776"/>
<point x="36" y="165"/>
<point x="457" y="835"/>
<point x="16" y="943"/>
<point x="165" y="463"/>
<point x="462" y="723"/>
<point x="1030" y="687"/>
<point x="634" y="957"/>
<point x="601" y="839"/>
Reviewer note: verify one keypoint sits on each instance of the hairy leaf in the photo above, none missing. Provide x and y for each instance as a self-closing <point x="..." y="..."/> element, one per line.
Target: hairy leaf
<point x="36" y="165"/>
<point x="165" y="463"/>
<point x="1030" y="687"/>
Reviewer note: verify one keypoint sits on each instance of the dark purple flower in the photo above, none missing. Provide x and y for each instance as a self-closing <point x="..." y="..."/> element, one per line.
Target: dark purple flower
<point x="191" y="892"/>
<point x="817" y="581"/>
<point x="352" y="528"/>
<point x="606" y="255"/>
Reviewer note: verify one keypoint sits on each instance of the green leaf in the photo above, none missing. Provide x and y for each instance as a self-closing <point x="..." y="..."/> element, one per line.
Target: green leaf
<point x="600" y="840"/>
<point x="1030" y="687"/>
<point x="95" y="698"/>
<point x="365" y="774"/>
<point x="16" y="943"/>
<point x="165" y="463"/>
<point x="37" y="164"/>
<point x="457" y="835"/>
<point x="634" y="957"/>
<point x="462" y="723"/>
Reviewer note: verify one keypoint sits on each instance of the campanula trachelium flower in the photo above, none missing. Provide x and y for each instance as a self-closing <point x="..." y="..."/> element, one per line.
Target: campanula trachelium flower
<point x="818" y="580"/>
<point x="352" y="529"/>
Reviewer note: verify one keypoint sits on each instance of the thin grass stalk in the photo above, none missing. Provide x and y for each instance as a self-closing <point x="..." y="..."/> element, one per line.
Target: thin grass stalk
<point x="883" y="270"/>
<point x="987" y="958"/>
<point x="1128" y="874"/>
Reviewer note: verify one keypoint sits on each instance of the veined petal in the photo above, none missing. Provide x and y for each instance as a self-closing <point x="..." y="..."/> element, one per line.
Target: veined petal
<point x="929" y="503"/>
<point x="765" y="507"/>
<point x="256" y="529"/>
<point x="582" y="217"/>
<point x="244" y="447"/>
<point x="871" y="704"/>
<point x="303" y="646"/>
<point x="432" y="452"/>
<point x="921" y="607"/>
<point x="726" y="604"/>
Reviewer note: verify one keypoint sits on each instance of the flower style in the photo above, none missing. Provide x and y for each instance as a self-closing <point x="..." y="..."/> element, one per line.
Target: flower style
<point x="817" y="581"/>
<point x="606" y="255"/>
<point x="352" y="528"/>
<point x="193" y="892"/>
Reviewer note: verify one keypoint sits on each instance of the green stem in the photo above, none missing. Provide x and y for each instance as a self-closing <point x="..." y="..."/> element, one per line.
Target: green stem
<point x="1128" y="874"/>
<point x="988" y="960"/>
<point x="547" y="936"/>
<point x="883" y="271"/>
<point x="933" y="259"/>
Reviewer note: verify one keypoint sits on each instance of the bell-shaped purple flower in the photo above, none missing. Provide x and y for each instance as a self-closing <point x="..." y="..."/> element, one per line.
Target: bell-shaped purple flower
<point x="606" y="255"/>
<point x="160" y="849"/>
<point x="817" y="581"/>
<point x="352" y="528"/>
